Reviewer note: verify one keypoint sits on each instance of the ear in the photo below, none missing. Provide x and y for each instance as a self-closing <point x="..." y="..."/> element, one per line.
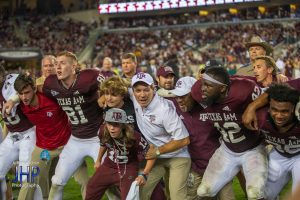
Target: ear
<point x="156" y="78"/>
<point x="223" y="88"/>
<point x="270" y="70"/>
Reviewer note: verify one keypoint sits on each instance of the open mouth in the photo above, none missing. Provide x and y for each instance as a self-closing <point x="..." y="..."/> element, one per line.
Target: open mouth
<point x="204" y="96"/>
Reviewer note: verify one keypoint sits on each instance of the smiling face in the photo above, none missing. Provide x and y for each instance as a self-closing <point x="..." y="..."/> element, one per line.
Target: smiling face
<point x="143" y="93"/>
<point x="282" y="113"/>
<point x="185" y="102"/>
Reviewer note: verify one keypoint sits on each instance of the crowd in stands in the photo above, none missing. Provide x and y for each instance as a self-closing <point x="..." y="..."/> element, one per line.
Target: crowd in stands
<point x="226" y="43"/>
<point x="190" y="47"/>
<point x="50" y="34"/>
<point x="195" y="18"/>
<point x="8" y="38"/>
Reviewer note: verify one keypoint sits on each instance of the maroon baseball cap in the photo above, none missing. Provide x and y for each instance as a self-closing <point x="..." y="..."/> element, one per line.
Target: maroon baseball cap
<point x="164" y="71"/>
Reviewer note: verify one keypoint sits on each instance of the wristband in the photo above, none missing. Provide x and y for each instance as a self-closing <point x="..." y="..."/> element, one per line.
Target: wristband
<point x="143" y="175"/>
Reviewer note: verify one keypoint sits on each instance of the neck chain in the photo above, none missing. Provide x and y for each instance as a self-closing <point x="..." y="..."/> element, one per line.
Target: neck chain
<point x="121" y="175"/>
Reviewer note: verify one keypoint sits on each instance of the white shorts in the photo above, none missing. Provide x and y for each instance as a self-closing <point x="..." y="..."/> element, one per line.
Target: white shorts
<point x="281" y="169"/>
<point x="72" y="157"/>
<point x="19" y="148"/>
<point x="225" y="164"/>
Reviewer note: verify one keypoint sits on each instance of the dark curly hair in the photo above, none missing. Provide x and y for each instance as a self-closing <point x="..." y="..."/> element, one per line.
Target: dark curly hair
<point x="283" y="93"/>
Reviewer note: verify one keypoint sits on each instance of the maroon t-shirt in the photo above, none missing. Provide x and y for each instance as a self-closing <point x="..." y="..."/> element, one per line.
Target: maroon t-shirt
<point x="227" y="115"/>
<point x="119" y="152"/>
<point x="52" y="125"/>
<point x="18" y="122"/>
<point x="79" y="101"/>
<point x="286" y="144"/>
<point x="204" y="138"/>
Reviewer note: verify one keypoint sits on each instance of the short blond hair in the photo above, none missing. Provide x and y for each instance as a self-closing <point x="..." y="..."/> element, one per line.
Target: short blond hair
<point x="68" y="54"/>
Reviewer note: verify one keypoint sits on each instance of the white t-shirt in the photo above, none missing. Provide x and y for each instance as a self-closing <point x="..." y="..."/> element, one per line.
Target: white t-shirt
<point x="159" y="123"/>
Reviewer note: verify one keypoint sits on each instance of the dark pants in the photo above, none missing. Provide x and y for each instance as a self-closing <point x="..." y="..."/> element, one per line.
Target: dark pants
<point x="105" y="177"/>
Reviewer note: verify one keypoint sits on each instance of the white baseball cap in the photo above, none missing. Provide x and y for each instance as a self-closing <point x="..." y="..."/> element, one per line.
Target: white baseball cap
<point x="184" y="86"/>
<point x="142" y="77"/>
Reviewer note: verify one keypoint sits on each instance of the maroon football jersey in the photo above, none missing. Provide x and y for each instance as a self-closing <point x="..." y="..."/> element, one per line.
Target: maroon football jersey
<point x="204" y="138"/>
<point x="286" y="144"/>
<point x="118" y="152"/>
<point x="18" y="122"/>
<point x="227" y="116"/>
<point x="294" y="83"/>
<point x="79" y="101"/>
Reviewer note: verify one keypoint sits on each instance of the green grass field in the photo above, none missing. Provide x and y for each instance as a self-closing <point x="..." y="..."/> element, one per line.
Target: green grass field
<point x="72" y="189"/>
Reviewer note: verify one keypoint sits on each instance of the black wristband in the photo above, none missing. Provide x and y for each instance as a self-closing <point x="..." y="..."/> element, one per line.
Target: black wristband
<point x="143" y="175"/>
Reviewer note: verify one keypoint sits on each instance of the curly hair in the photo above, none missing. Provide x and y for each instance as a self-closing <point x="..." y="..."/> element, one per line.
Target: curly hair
<point x="127" y="132"/>
<point x="283" y="93"/>
<point x="114" y="85"/>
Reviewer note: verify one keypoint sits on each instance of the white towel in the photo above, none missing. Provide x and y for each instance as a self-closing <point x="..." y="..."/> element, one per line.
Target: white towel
<point x="134" y="192"/>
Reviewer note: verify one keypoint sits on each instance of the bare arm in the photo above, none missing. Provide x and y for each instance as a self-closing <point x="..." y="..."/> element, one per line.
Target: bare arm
<point x="249" y="117"/>
<point x="168" y="147"/>
<point x="142" y="177"/>
<point x="102" y="151"/>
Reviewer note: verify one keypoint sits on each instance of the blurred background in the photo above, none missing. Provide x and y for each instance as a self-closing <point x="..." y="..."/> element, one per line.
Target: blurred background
<point x="182" y="33"/>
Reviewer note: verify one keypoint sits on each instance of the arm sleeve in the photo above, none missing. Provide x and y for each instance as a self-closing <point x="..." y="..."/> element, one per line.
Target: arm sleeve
<point x="173" y="124"/>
